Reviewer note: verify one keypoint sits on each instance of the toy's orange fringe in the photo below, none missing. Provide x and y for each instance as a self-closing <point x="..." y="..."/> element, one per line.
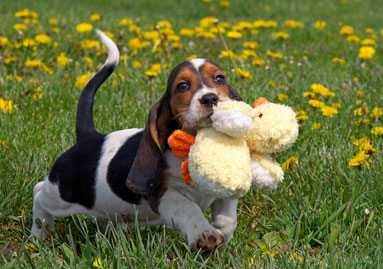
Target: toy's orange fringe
<point x="185" y="172"/>
<point x="260" y="101"/>
<point x="180" y="143"/>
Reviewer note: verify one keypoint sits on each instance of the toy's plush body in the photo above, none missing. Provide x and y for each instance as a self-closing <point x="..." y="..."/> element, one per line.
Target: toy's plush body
<point x="226" y="159"/>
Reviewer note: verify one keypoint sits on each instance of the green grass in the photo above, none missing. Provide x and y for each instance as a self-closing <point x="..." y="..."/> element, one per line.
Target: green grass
<point x="317" y="216"/>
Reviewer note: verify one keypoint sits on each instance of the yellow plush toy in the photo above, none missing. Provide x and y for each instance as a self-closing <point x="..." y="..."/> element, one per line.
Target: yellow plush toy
<point x="226" y="159"/>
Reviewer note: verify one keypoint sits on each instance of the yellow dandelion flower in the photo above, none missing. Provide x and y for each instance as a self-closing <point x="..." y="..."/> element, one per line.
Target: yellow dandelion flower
<point x="97" y="263"/>
<point x="367" y="147"/>
<point x="187" y="32"/>
<point x="89" y="61"/>
<point x="9" y="60"/>
<point x="137" y="64"/>
<point x="377" y="131"/>
<point x="151" y="73"/>
<point x="110" y="35"/>
<point x="272" y="83"/>
<point x="369" y="31"/>
<point x="267" y="24"/>
<point x="320" y="89"/>
<point x="368" y="42"/>
<point x="20" y="27"/>
<point x="207" y="21"/>
<point x="43" y="39"/>
<point x="311" y="95"/>
<point x="193" y="56"/>
<point x="4" y="41"/>
<point x="346" y="30"/>
<point x="366" y="52"/>
<point x="6" y="105"/>
<point x="258" y="62"/>
<point x="84" y="27"/>
<point x="124" y="57"/>
<point x="338" y="60"/>
<point x="155" y="67"/>
<point x="224" y="3"/>
<point x="3" y="143"/>
<point x="134" y="43"/>
<point x="95" y="17"/>
<point x="359" y="93"/>
<point x="33" y="63"/>
<point x="362" y="121"/>
<point x="206" y="34"/>
<point x="376" y="112"/>
<point x="336" y="105"/>
<point x="37" y="93"/>
<point x="228" y="53"/>
<point x="234" y="34"/>
<point x="61" y="60"/>
<point x="52" y="21"/>
<point x="248" y="53"/>
<point x="315" y="103"/>
<point x="250" y="44"/>
<point x="360" y="159"/>
<point x="164" y="24"/>
<point x="315" y="126"/>
<point x="173" y="38"/>
<point x="300" y="115"/>
<point x="216" y="30"/>
<point x="244" y="73"/>
<point x="47" y="69"/>
<point x="281" y="35"/>
<point x="293" y="160"/>
<point x="125" y="21"/>
<point x="26" y="13"/>
<point x="275" y="55"/>
<point x="353" y="38"/>
<point x="293" y="24"/>
<point x="11" y="77"/>
<point x="328" y="111"/>
<point x="283" y="97"/>
<point x="89" y="44"/>
<point x="319" y="25"/>
<point x="176" y="45"/>
<point x="83" y="79"/>
<point x="361" y="111"/>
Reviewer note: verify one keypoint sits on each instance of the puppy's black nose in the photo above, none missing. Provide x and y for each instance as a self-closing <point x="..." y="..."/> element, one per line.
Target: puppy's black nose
<point x="209" y="100"/>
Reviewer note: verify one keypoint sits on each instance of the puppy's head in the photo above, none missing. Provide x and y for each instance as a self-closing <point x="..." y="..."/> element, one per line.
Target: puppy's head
<point x="193" y="88"/>
<point x="196" y="86"/>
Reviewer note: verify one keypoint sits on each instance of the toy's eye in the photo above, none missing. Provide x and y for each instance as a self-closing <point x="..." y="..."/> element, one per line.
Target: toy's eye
<point x="219" y="79"/>
<point x="183" y="86"/>
<point x="260" y="115"/>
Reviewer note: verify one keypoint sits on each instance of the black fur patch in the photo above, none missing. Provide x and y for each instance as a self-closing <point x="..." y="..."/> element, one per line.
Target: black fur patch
<point x="119" y="168"/>
<point x="75" y="171"/>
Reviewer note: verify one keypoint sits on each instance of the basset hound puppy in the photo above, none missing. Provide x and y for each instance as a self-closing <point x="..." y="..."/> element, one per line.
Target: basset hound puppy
<point x="133" y="172"/>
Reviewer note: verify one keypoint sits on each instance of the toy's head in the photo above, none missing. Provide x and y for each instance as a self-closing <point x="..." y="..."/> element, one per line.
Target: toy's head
<point x="275" y="128"/>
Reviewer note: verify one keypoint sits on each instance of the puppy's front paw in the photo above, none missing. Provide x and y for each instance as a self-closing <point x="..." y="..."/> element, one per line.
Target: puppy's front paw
<point x="206" y="240"/>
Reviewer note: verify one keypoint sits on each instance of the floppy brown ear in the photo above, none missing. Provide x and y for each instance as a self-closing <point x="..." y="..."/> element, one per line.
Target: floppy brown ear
<point x="234" y="95"/>
<point x="145" y="174"/>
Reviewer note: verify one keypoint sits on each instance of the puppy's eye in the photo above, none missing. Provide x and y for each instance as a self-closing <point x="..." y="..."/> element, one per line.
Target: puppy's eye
<point x="219" y="79"/>
<point x="183" y="86"/>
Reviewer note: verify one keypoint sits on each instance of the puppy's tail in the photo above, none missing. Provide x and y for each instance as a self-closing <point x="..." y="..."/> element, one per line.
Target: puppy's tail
<point x="84" y="120"/>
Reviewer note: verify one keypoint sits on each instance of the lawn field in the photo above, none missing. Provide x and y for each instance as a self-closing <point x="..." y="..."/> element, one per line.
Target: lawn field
<point x="322" y="58"/>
